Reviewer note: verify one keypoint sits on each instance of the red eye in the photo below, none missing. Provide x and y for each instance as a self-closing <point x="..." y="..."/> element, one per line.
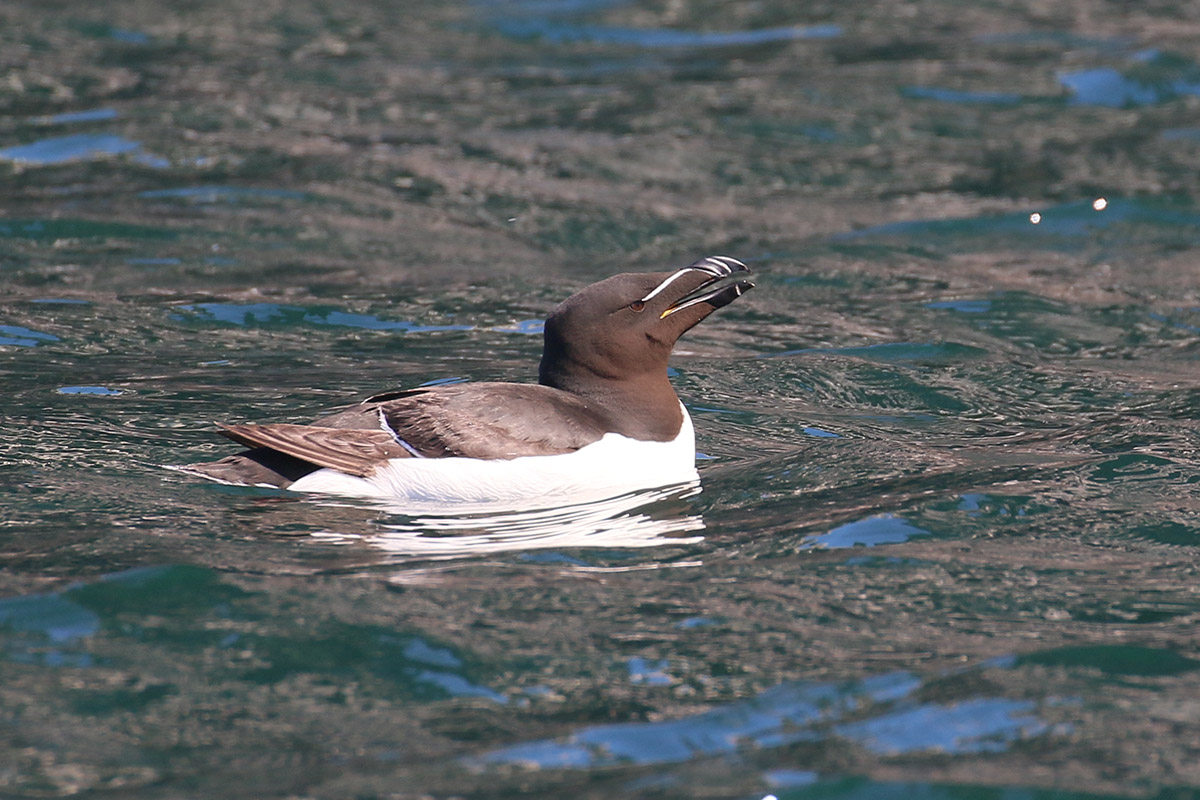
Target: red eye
<point x="638" y="305"/>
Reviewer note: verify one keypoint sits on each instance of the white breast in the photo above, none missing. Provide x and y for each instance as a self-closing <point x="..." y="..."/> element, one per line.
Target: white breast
<point x="613" y="465"/>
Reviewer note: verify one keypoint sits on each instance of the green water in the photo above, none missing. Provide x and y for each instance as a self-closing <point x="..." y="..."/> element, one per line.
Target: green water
<point x="946" y="540"/>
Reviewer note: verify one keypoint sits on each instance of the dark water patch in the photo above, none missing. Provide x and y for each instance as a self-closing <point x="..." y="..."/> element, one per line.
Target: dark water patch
<point x="79" y="147"/>
<point x="1128" y="467"/>
<point x="548" y="8"/>
<point x="900" y="49"/>
<point x="99" y="30"/>
<point x="866" y="789"/>
<point x="1168" y="532"/>
<point x="961" y="97"/>
<point x="166" y="591"/>
<point x="560" y="33"/>
<point x="221" y="194"/>
<point x="131" y="700"/>
<point x="177" y="606"/>
<point x="897" y="352"/>
<point x="1125" y="660"/>
<point x="603" y="232"/>
<point x="767" y="130"/>
<point x="334" y="650"/>
<point x="1030" y="321"/>
<point x="67" y="228"/>
<point x="1068" y="221"/>
<point x="1057" y="38"/>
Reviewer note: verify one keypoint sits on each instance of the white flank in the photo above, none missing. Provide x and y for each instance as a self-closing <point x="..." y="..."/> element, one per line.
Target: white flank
<point x="613" y="465"/>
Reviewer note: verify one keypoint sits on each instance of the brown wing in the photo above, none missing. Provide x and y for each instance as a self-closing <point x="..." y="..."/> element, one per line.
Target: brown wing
<point x="353" y="451"/>
<point x="491" y="420"/>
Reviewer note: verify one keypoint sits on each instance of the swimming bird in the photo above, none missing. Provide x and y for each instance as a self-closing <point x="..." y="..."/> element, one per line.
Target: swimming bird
<point x="603" y="416"/>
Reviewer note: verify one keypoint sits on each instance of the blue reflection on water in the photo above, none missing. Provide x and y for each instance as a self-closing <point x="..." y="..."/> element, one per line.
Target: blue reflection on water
<point x="963" y="306"/>
<point x="420" y="650"/>
<point x="1154" y="78"/>
<point x="68" y="117"/>
<point x="17" y="336"/>
<point x="869" y="532"/>
<point x="79" y="147"/>
<point x="787" y="778"/>
<point x="790" y="713"/>
<point x="1106" y="87"/>
<point x="96" y="390"/>
<point x="46" y="629"/>
<point x="650" y="674"/>
<point x="1181" y="135"/>
<point x="778" y="716"/>
<point x="527" y="326"/>
<point x="979" y="725"/>
<point x="153" y="262"/>
<point x="273" y="313"/>
<point x="458" y="686"/>
<point x="60" y="619"/>
<point x="129" y="36"/>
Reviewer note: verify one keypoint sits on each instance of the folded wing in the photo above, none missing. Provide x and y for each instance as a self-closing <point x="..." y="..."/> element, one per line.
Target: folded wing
<point x="355" y="452"/>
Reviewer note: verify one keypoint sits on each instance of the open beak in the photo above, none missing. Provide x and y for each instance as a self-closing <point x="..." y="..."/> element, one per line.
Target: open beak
<point x="728" y="283"/>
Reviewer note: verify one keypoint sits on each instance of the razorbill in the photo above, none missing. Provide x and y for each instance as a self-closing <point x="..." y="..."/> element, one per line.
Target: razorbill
<point x="602" y="418"/>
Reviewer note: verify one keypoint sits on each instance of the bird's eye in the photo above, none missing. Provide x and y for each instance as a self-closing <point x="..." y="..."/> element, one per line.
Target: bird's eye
<point x="638" y="305"/>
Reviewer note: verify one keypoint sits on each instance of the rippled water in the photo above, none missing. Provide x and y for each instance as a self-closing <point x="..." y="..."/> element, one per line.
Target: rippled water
<point x="945" y="542"/>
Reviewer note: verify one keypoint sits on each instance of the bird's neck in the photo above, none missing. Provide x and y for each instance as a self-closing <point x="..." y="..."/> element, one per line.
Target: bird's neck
<point x="641" y="407"/>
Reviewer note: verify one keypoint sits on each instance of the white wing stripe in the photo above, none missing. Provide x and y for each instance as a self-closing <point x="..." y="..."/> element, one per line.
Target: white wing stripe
<point x="383" y="424"/>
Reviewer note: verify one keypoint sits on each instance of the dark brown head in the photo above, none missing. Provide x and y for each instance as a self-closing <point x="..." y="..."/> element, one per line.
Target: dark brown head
<point x="621" y="330"/>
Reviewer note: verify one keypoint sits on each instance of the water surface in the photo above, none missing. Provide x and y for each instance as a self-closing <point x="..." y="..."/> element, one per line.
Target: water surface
<point x="946" y="537"/>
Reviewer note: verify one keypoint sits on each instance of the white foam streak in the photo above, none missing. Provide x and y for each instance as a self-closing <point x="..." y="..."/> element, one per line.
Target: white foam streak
<point x="633" y="520"/>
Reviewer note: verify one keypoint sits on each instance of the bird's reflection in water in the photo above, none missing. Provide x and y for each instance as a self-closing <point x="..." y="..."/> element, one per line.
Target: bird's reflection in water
<point x="645" y="518"/>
